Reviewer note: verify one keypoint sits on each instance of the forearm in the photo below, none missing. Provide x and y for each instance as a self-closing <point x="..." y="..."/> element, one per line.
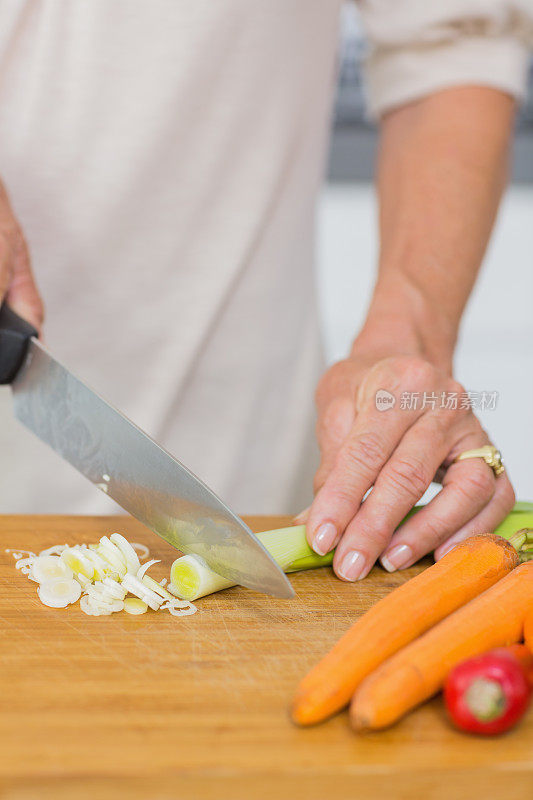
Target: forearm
<point x="442" y="168"/>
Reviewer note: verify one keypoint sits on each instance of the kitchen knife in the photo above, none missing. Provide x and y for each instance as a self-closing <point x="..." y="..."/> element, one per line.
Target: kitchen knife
<point x="125" y="463"/>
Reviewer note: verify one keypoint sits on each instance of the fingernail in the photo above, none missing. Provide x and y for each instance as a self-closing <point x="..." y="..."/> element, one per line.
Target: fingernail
<point x="324" y="538"/>
<point x="400" y="556"/>
<point x="301" y="518"/>
<point x="352" y="566"/>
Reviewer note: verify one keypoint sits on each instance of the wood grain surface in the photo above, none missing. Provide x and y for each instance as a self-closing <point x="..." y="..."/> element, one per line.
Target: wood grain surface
<point x="158" y="707"/>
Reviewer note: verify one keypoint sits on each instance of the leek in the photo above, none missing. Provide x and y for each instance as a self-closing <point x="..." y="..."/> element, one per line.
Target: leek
<point x="520" y="517"/>
<point x="191" y="578"/>
<point x="104" y="573"/>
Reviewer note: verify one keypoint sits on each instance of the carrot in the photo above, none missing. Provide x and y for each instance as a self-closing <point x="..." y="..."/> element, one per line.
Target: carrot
<point x="522" y="653"/>
<point x="415" y="673"/>
<point x="464" y="572"/>
<point x="528" y="628"/>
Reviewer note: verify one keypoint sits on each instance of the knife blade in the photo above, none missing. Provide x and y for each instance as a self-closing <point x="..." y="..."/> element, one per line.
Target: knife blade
<point x="130" y="467"/>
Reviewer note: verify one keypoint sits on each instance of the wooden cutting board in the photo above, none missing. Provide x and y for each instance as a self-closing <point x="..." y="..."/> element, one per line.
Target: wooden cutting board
<point x="158" y="707"/>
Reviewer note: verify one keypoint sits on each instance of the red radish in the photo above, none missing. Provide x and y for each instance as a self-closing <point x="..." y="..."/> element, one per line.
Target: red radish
<point x="488" y="694"/>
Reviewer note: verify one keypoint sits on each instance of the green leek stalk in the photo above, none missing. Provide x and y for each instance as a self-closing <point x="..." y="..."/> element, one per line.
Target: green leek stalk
<point x="191" y="578"/>
<point x="520" y="517"/>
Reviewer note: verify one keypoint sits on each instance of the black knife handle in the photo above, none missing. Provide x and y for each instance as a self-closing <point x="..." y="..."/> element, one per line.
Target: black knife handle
<point x="15" y="335"/>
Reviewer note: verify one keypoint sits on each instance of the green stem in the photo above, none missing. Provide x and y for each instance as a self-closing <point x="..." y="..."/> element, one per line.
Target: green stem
<point x="311" y="562"/>
<point x="518" y="539"/>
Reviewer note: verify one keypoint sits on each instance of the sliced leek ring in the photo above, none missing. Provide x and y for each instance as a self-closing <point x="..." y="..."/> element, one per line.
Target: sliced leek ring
<point x="25" y="565"/>
<point x="137" y="587"/>
<point x="88" y="606"/>
<point x="115" y="589"/>
<point x="156" y="587"/>
<point x="101" y="566"/>
<point x="144" y="551"/>
<point x="55" y="550"/>
<point x="113" y="555"/>
<point x="132" y="559"/>
<point x="109" y="607"/>
<point x="180" y="608"/>
<point x="49" y="568"/>
<point x="145" y="567"/>
<point x="78" y="562"/>
<point x="134" y="605"/>
<point x="59" y="593"/>
<point x="82" y="580"/>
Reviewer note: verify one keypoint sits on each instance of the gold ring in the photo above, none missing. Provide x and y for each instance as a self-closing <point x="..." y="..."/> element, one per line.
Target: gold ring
<point x="490" y="455"/>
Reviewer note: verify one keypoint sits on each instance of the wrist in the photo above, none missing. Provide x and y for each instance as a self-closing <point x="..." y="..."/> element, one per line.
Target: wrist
<point x="401" y="320"/>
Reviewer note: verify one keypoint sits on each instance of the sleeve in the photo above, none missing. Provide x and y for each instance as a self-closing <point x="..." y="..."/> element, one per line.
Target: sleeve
<point x="417" y="47"/>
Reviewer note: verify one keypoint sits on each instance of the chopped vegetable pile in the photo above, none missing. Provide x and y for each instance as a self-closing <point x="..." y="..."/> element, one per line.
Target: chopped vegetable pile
<point x="101" y="576"/>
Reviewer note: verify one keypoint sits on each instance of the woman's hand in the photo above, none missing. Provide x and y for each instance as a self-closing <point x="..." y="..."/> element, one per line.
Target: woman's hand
<point x="442" y="166"/>
<point x="17" y="284"/>
<point x="398" y="452"/>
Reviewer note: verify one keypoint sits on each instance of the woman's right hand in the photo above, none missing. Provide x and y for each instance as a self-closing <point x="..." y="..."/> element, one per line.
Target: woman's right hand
<point x="17" y="284"/>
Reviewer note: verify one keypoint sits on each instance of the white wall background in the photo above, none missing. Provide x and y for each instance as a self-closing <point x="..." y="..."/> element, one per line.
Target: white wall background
<point x="495" y="351"/>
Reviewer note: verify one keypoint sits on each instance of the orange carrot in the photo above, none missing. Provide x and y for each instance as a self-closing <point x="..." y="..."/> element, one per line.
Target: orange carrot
<point x="528" y="628"/>
<point x="464" y="572"/>
<point x="523" y="655"/>
<point x="415" y="673"/>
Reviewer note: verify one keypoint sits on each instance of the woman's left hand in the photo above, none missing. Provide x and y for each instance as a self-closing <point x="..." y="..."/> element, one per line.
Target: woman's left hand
<point x="398" y="450"/>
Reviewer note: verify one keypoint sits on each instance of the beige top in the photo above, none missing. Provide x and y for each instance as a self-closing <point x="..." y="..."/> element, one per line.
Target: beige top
<point x="164" y="160"/>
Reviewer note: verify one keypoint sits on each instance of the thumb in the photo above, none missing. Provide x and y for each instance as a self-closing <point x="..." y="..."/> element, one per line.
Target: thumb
<point x="22" y="294"/>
